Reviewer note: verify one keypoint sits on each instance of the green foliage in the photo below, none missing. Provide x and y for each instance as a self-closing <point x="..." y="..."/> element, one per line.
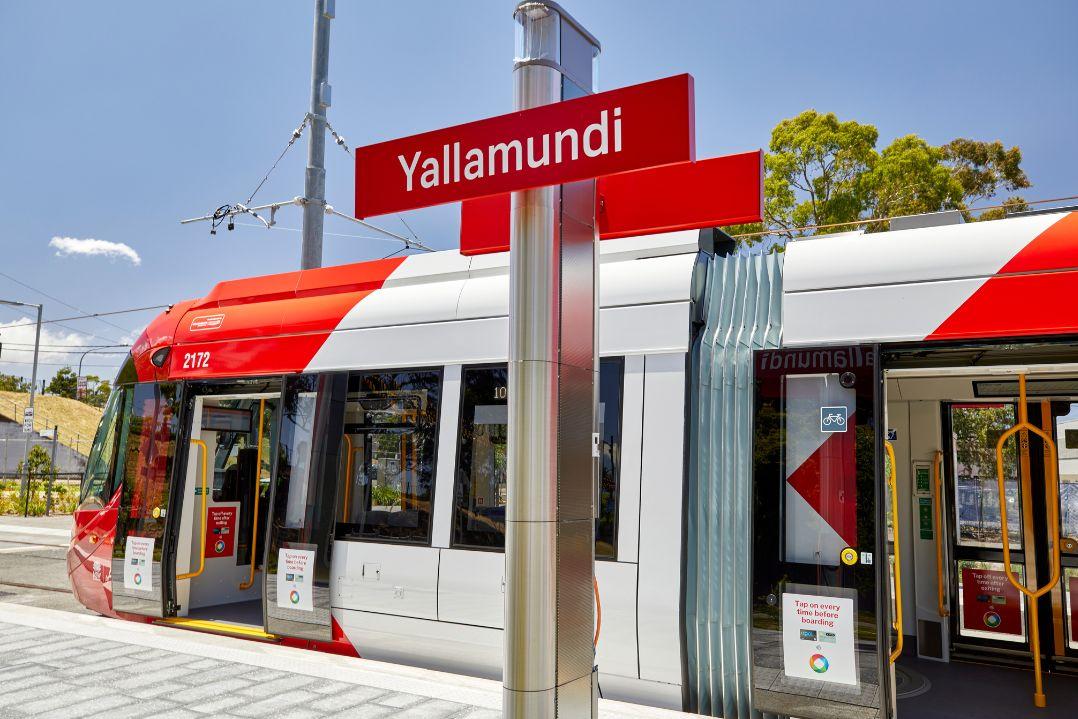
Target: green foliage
<point x="825" y="173"/>
<point x="97" y="391"/>
<point x="910" y="178"/>
<point x="11" y="383"/>
<point x="383" y="495"/>
<point x="38" y="461"/>
<point x="64" y="383"/>
<point x="814" y="170"/>
<point x="976" y="432"/>
<point x="985" y="168"/>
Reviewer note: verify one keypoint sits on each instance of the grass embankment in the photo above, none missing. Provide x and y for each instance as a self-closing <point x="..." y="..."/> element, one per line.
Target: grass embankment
<point x="77" y="421"/>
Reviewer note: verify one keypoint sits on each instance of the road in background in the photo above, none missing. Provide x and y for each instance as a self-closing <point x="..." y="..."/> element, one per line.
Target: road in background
<point x="33" y="562"/>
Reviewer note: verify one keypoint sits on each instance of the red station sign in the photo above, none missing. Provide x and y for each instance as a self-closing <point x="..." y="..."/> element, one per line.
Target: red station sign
<point x="718" y="191"/>
<point x="646" y="125"/>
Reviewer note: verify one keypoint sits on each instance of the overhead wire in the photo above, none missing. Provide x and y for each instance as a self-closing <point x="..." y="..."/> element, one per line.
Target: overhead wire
<point x="53" y="364"/>
<point x="57" y="352"/>
<point x="33" y="321"/>
<point x="292" y="141"/>
<point x="333" y="234"/>
<point x="93" y="315"/>
<point x="65" y="304"/>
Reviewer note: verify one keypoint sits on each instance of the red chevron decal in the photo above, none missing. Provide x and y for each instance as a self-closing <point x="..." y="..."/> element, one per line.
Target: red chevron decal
<point x="827" y="480"/>
<point x="1026" y="296"/>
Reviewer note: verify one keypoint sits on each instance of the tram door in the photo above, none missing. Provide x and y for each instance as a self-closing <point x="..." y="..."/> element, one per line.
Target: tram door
<point x="991" y="619"/>
<point x="821" y="628"/>
<point x="302" y="510"/>
<point x="148" y="443"/>
<point x="221" y="533"/>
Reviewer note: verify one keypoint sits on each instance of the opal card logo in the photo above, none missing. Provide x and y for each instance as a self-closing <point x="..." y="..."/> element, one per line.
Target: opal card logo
<point x="293" y="596"/>
<point x="819" y="663"/>
<point x="137" y="578"/>
<point x="219" y="547"/>
<point x="992" y="620"/>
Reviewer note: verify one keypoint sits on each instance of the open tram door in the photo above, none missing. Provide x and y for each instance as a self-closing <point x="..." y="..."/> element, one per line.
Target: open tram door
<point x="302" y="508"/>
<point x="223" y="488"/>
<point x="147" y="448"/>
<point x="821" y="620"/>
<point x="989" y="524"/>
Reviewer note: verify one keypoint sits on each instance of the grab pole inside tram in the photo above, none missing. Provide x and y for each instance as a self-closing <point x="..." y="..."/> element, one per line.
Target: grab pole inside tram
<point x="1024" y="426"/>
<point x="553" y="373"/>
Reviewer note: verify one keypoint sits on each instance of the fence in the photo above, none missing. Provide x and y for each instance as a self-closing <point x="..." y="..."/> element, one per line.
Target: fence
<point x="50" y="493"/>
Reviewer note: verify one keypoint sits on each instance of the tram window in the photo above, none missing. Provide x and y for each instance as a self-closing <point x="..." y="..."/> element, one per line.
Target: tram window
<point x="1067" y="428"/>
<point x="975" y="429"/>
<point x="235" y="447"/>
<point x="148" y="449"/>
<point x="388" y="456"/>
<point x="97" y="483"/>
<point x="611" y="372"/>
<point x="480" y="491"/>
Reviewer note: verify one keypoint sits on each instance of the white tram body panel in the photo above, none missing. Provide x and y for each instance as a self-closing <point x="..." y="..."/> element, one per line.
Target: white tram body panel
<point x="443" y="606"/>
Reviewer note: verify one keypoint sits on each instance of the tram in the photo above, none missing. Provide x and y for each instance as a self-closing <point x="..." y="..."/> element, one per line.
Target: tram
<point x="799" y="503"/>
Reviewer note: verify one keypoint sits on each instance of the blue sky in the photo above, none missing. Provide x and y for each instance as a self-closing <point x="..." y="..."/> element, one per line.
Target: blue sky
<point x="117" y="119"/>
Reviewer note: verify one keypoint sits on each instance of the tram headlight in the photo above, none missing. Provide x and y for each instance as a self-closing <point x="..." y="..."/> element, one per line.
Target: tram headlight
<point x="160" y="356"/>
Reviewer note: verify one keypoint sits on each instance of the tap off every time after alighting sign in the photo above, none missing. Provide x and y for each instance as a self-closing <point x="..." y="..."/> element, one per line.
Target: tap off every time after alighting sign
<point x="631" y="128"/>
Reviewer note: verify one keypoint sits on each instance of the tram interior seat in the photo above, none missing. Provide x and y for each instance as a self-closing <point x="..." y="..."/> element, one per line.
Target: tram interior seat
<point x="375" y="518"/>
<point x="408" y="519"/>
<point x="229" y="491"/>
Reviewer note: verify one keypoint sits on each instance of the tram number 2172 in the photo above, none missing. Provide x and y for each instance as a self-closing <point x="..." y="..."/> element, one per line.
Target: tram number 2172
<point x="196" y="360"/>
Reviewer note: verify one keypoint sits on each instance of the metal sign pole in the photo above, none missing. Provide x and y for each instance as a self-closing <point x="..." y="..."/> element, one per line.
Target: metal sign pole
<point x="553" y="372"/>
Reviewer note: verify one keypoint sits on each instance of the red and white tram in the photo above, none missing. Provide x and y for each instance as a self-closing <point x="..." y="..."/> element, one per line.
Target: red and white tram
<point x="318" y="458"/>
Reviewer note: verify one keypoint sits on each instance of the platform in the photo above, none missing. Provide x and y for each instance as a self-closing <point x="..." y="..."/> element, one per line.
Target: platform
<point x="58" y="665"/>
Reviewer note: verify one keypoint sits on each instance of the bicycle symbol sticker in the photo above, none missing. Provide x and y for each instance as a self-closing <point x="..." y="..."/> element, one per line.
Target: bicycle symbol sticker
<point x="833" y="419"/>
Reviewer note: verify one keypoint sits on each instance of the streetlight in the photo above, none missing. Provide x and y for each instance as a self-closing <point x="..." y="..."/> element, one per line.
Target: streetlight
<point x="29" y="412"/>
<point x="78" y="377"/>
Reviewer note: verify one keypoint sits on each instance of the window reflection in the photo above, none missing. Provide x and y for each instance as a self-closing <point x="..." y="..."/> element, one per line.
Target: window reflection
<point x="1067" y="444"/>
<point x="97" y="482"/>
<point x="388" y="455"/>
<point x="481" y="458"/>
<point x="975" y="430"/>
<point x="481" y="487"/>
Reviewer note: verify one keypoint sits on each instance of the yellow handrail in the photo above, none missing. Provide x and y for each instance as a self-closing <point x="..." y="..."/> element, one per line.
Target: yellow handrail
<point x="937" y="460"/>
<point x="202" y="534"/>
<point x="258" y="487"/>
<point x="347" y="479"/>
<point x="892" y="483"/>
<point x="1052" y="501"/>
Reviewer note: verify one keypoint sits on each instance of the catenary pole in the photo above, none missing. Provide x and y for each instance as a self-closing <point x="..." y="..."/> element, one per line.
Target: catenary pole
<point x="314" y="185"/>
<point x="33" y="391"/>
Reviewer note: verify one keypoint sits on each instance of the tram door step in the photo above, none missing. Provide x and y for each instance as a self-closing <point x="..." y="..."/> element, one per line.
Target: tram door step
<point x="222" y="628"/>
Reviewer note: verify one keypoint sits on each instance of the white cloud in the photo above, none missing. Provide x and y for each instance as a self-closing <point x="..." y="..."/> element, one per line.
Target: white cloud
<point x="59" y="348"/>
<point x="113" y="250"/>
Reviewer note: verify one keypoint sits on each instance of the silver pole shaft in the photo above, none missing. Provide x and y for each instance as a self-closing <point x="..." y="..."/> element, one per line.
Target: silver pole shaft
<point x="33" y="391"/>
<point x="549" y="551"/>
<point x="314" y="185"/>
